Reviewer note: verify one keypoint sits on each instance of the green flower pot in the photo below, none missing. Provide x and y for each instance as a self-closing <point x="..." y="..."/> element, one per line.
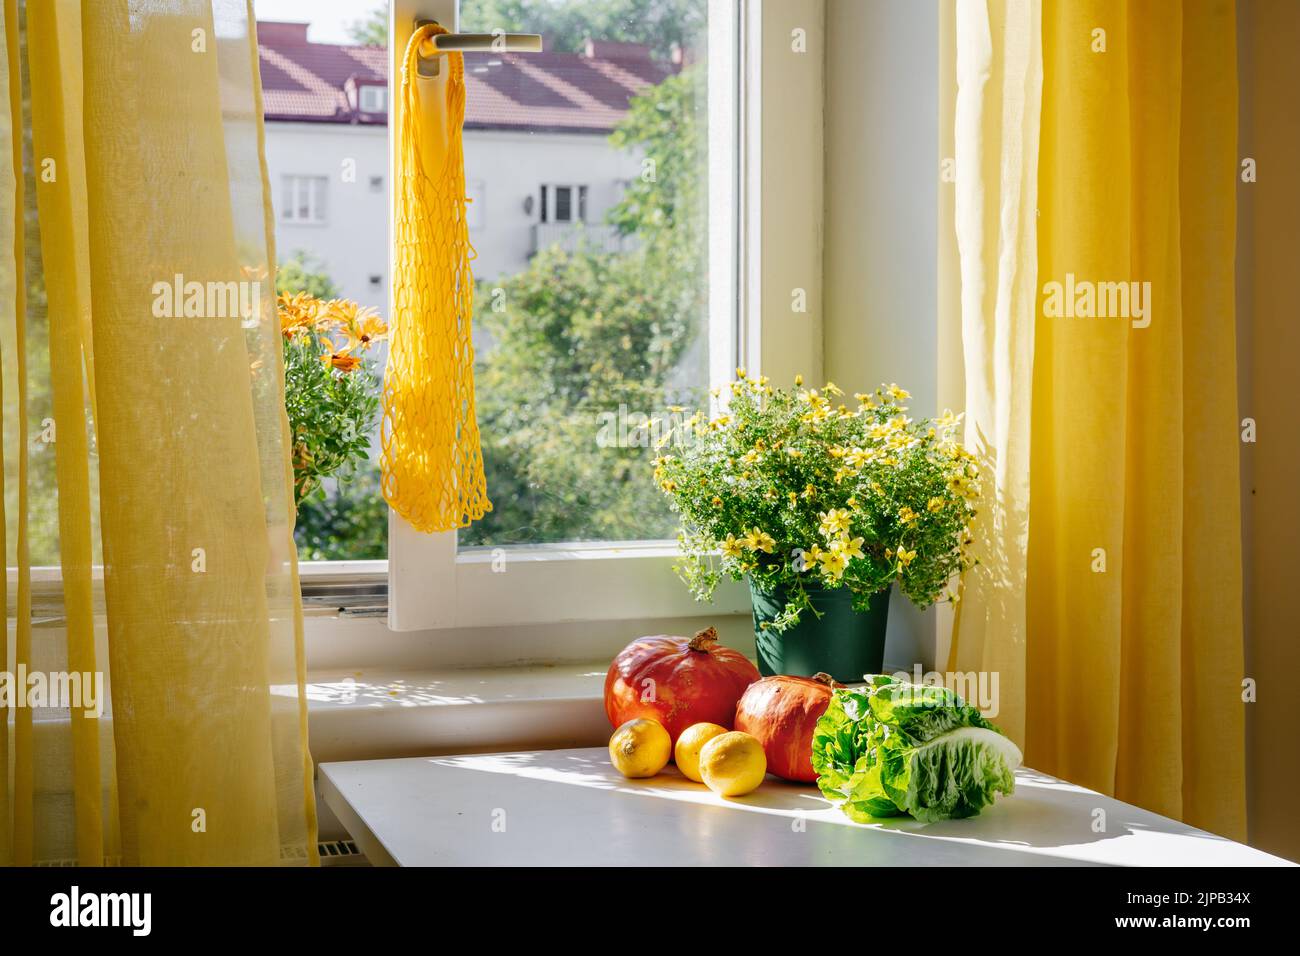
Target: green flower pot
<point x="841" y="642"/>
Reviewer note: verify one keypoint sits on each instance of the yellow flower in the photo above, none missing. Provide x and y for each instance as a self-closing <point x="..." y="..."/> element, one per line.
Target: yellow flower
<point x="757" y="540"/>
<point x="834" y="521"/>
<point x="798" y="380"/>
<point x="852" y="503"/>
<point x="716" y="502"/>
<point x="811" y="556"/>
<point x="904" y="556"/>
<point x="731" y="547"/>
<point x="794" y="498"/>
<point x="833" y="563"/>
<point x="849" y="547"/>
<point x="859" y="457"/>
<point x="907" y="516"/>
<point x="898" y="394"/>
<point x="934" y="505"/>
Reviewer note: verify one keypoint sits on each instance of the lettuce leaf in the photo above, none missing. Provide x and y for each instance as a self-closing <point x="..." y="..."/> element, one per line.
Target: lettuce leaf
<point x="898" y="748"/>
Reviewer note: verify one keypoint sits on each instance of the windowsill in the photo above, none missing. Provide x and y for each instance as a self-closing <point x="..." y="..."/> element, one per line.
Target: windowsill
<point x="377" y="712"/>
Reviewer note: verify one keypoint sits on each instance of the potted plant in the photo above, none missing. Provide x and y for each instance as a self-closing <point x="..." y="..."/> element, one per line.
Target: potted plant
<point x="330" y="388"/>
<point x="822" y="506"/>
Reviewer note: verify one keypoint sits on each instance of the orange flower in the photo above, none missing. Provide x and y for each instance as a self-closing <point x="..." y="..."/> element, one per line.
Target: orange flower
<point x="298" y="312"/>
<point x="341" y="360"/>
<point x="361" y="324"/>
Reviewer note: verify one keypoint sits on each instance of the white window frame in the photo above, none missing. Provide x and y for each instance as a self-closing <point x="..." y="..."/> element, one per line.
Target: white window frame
<point x="432" y="584"/>
<point x="374" y="90"/>
<point x="579" y="196"/>
<point x="317" y="198"/>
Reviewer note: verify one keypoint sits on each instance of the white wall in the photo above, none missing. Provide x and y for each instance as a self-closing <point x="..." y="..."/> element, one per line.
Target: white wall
<point x="353" y="242"/>
<point x="880" y="268"/>
<point x="511" y="166"/>
<point x="503" y="169"/>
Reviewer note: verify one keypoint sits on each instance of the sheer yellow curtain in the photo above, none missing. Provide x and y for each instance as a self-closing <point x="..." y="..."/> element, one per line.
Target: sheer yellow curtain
<point x="137" y="208"/>
<point x="999" y="85"/>
<point x="1119" y="440"/>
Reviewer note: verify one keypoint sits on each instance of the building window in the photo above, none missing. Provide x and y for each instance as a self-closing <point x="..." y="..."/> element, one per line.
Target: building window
<point x="374" y="99"/>
<point x="566" y="203"/>
<point x="302" y="199"/>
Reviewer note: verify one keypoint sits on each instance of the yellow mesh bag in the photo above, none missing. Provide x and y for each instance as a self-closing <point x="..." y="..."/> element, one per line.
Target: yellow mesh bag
<point x="432" y="464"/>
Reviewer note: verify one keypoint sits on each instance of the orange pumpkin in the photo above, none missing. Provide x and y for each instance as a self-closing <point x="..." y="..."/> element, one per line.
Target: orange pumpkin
<point x="677" y="681"/>
<point x="782" y="712"/>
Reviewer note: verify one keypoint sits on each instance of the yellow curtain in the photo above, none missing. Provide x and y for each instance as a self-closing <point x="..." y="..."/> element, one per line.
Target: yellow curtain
<point x="999" y="84"/>
<point x="1132" y="651"/>
<point x="137" y="208"/>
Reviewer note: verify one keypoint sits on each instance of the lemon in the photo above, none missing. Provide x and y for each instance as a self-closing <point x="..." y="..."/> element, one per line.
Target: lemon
<point x="687" y="752"/>
<point x="733" y="764"/>
<point x="640" y="748"/>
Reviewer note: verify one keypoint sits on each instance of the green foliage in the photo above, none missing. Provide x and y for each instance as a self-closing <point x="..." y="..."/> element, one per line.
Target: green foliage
<point x="331" y="412"/>
<point x="344" y="520"/>
<point x="586" y="347"/>
<point x="303" y="272"/>
<point x="372" y="29"/>
<point x="899" y="747"/>
<point x="666" y="207"/>
<point x="585" y="344"/>
<point x="794" y="489"/>
<point x="566" y="25"/>
<point x="662" y="25"/>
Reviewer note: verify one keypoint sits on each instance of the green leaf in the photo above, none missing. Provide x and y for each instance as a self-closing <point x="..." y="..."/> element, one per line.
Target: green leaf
<point x="906" y="748"/>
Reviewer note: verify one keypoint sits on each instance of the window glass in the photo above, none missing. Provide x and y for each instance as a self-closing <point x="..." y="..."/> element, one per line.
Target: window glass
<point x="581" y="335"/>
<point x="586" y="334"/>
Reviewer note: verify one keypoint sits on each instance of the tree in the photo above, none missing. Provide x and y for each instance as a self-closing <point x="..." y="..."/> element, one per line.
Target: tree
<point x="585" y="345"/>
<point x="662" y="25"/>
<point x="304" y="272"/>
<point x="372" y="29"/>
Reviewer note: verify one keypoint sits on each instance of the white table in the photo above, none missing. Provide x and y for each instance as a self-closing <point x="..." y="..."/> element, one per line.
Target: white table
<point x="570" y="807"/>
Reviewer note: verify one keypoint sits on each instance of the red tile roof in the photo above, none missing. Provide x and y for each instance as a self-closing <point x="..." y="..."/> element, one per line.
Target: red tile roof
<point x="588" y="92"/>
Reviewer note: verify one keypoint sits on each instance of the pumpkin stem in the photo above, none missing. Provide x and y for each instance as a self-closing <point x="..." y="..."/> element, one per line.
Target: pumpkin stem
<point x="824" y="678"/>
<point x="704" y="638"/>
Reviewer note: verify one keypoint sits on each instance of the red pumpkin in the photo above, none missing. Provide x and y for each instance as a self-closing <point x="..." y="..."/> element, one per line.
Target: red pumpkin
<point x="677" y="681"/>
<point x="782" y="713"/>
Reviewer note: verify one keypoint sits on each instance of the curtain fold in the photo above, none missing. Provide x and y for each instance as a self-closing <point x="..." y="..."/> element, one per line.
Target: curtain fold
<point x="999" y="86"/>
<point x="141" y="223"/>
<point x="1132" y="648"/>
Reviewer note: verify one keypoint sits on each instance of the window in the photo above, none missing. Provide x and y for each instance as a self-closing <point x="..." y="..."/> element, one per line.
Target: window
<point x="566" y="203"/>
<point x="588" y="351"/>
<point x="373" y="99"/>
<point x="303" y="199"/>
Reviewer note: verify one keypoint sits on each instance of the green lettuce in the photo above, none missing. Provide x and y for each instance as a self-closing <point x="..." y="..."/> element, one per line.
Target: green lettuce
<point x="897" y="747"/>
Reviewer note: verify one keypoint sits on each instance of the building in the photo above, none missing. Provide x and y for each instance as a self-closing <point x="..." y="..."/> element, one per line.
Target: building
<point x="539" y="166"/>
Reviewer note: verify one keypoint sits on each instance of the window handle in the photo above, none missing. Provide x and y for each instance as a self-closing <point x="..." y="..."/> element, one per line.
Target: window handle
<point x="472" y="43"/>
